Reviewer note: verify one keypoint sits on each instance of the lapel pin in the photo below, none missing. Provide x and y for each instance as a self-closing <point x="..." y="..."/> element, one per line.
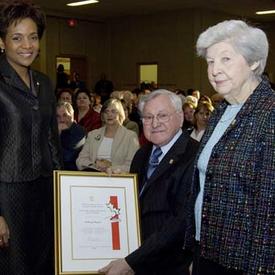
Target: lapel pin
<point x="171" y="161"/>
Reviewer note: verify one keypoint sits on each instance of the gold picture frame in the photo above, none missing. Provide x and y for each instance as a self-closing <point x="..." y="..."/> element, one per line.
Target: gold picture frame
<point x="96" y="220"/>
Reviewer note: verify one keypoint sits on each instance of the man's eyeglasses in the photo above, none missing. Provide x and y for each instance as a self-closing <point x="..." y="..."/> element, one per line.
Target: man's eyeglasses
<point x="161" y="117"/>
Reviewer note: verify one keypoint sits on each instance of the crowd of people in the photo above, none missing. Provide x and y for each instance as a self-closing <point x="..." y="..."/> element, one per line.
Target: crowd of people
<point x="205" y="165"/>
<point x="88" y="113"/>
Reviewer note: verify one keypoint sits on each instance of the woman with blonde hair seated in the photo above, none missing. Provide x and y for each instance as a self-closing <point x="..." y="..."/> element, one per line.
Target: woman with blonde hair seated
<point x="111" y="146"/>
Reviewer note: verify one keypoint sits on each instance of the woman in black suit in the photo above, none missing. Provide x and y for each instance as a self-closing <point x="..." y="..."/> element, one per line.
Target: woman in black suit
<point x="29" y="147"/>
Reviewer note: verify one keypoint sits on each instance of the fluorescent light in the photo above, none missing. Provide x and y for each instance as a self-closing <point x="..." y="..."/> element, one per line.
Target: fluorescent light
<point x="80" y="3"/>
<point x="265" y="12"/>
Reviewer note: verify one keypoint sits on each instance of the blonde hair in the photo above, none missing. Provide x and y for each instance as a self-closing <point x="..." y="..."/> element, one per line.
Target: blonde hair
<point x="118" y="106"/>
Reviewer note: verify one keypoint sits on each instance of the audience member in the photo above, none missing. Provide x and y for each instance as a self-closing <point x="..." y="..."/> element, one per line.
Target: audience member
<point x="62" y="79"/>
<point x="72" y="135"/>
<point x="104" y="87"/>
<point x="188" y="111"/>
<point x="65" y="95"/>
<point x="116" y="95"/>
<point x="29" y="145"/>
<point x="146" y="88"/>
<point x="201" y="118"/>
<point x="164" y="186"/>
<point x="112" y="146"/>
<point x="85" y="115"/>
<point x="76" y="82"/>
<point x="129" y="124"/>
<point x="235" y="167"/>
<point x="134" y="114"/>
<point x="97" y="105"/>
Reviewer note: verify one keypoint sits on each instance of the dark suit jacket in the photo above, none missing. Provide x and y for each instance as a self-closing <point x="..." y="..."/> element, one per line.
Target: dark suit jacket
<point x="163" y="204"/>
<point x="29" y="142"/>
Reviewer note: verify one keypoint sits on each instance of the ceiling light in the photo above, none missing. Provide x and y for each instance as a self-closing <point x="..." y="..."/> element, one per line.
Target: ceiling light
<point x="265" y="12"/>
<point x="80" y="3"/>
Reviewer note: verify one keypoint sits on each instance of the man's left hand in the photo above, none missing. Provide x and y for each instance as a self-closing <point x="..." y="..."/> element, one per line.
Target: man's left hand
<point x="117" y="267"/>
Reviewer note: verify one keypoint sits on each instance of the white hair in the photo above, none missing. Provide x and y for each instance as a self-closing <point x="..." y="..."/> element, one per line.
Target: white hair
<point x="174" y="98"/>
<point x="249" y="41"/>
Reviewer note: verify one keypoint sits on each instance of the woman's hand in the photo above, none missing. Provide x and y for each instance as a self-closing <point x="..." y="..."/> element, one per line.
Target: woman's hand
<point x="103" y="164"/>
<point x="4" y="233"/>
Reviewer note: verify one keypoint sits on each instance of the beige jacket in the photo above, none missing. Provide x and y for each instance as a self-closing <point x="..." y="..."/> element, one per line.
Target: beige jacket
<point x="124" y="147"/>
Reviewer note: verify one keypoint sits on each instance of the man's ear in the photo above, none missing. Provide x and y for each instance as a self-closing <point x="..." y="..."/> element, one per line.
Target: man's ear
<point x="254" y="65"/>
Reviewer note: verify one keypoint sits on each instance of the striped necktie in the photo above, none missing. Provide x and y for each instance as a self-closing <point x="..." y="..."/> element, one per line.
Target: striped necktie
<point x="154" y="161"/>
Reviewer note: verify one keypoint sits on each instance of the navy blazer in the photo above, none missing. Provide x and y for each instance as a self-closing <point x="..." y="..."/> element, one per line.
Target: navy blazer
<point x="163" y="204"/>
<point x="29" y="142"/>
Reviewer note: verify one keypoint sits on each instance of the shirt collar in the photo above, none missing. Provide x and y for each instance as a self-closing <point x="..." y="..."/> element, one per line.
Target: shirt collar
<point x="165" y="148"/>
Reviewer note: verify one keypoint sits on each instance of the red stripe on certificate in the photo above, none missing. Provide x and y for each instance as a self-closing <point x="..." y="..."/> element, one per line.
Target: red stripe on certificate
<point x="115" y="225"/>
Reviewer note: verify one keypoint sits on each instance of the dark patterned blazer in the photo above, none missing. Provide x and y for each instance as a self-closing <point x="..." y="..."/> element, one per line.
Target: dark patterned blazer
<point x="238" y="213"/>
<point x="163" y="204"/>
<point x="29" y="142"/>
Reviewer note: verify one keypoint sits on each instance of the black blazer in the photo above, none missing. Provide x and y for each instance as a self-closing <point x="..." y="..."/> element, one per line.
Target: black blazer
<point x="163" y="204"/>
<point x="29" y="142"/>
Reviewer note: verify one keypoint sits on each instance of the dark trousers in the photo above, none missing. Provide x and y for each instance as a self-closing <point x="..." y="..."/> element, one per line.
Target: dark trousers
<point x="202" y="266"/>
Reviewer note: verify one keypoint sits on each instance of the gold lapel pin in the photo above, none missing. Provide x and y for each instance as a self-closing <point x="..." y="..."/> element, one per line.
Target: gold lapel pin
<point x="171" y="161"/>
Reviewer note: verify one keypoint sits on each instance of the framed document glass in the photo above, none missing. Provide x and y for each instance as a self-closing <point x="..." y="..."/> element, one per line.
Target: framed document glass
<point x="96" y="220"/>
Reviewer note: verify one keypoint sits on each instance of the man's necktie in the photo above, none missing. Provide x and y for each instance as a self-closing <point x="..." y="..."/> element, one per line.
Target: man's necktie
<point x="154" y="161"/>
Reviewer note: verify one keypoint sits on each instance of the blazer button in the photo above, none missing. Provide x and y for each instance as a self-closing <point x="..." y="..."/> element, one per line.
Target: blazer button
<point x="209" y="176"/>
<point x="35" y="107"/>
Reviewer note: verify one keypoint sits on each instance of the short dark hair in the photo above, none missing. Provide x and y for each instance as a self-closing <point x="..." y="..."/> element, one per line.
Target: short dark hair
<point x="13" y="11"/>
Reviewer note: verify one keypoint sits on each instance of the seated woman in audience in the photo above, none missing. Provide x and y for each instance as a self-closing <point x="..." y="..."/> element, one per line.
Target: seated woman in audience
<point x="97" y="103"/>
<point x="112" y="146"/>
<point x="85" y="115"/>
<point x="72" y="135"/>
<point x="201" y="118"/>
<point x="188" y="111"/>
<point x="129" y="124"/>
<point x="65" y="95"/>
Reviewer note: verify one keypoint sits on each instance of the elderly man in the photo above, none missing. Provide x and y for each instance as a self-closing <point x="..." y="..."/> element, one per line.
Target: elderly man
<point x="72" y="135"/>
<point x="164" y="168"/>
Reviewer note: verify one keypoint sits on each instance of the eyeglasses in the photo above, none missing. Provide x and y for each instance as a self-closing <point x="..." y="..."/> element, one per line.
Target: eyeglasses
<point x="161" y="117"/>
<point x="112" y="111"/>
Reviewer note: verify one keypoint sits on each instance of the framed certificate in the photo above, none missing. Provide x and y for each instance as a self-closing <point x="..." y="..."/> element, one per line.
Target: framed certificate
<point x="96" y="220"/>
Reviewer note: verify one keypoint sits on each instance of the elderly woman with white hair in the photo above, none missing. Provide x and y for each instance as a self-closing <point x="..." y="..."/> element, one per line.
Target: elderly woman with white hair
<point x="235" y="170"/>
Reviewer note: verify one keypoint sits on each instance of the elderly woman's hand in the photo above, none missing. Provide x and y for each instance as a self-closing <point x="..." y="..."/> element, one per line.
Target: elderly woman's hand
<point x="4" y="233"/>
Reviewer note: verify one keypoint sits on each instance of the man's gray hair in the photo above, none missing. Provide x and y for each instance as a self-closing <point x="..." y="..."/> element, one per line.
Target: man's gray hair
<point x="174" y="98"/>
<point x="249" y="41"/>
<point x="68" y="107"/>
